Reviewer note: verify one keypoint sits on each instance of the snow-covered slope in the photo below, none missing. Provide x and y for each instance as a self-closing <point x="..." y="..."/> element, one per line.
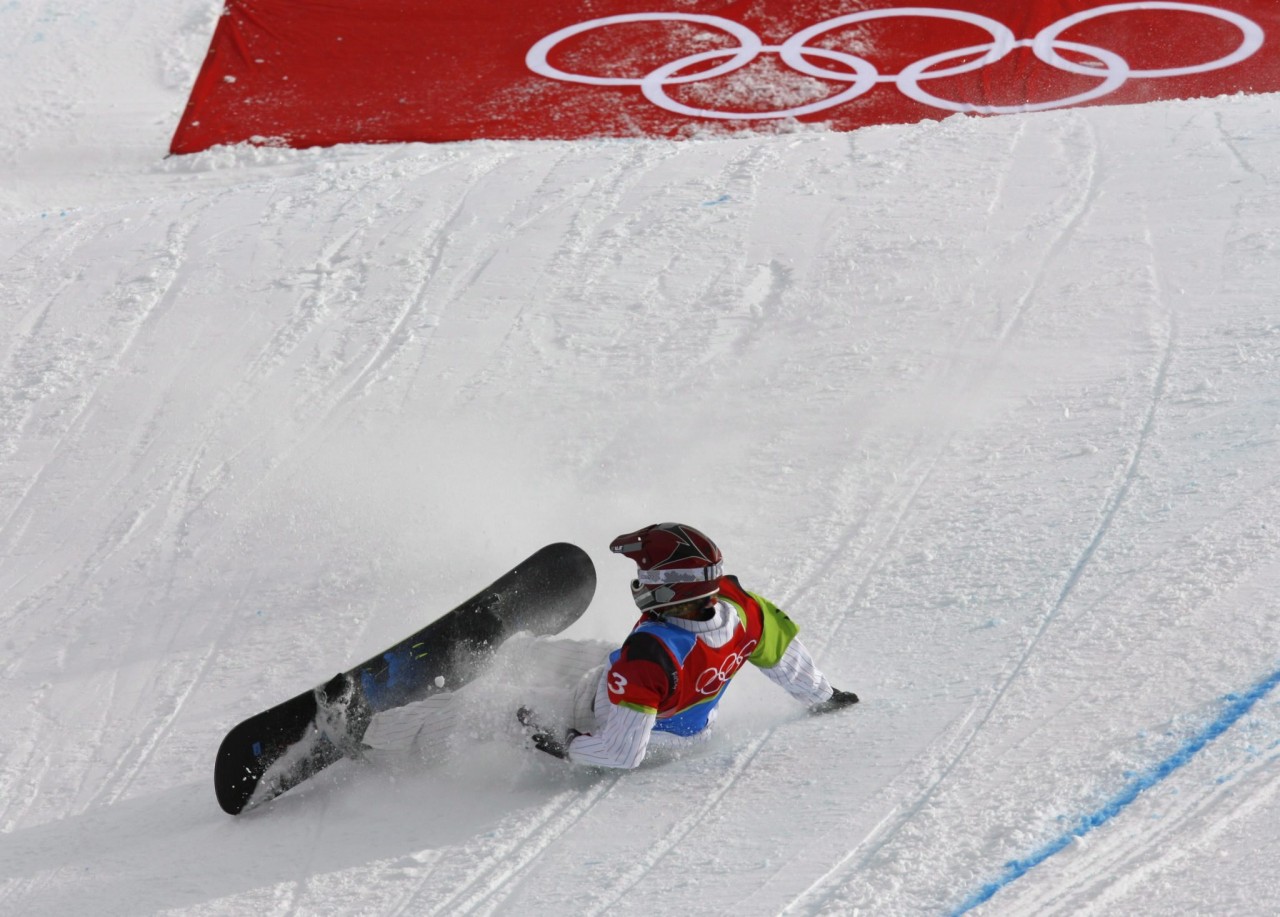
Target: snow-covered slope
<point x="991" y="406"/>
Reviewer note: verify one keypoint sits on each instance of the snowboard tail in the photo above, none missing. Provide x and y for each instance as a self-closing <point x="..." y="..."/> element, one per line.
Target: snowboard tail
<point x="287" y="744"/>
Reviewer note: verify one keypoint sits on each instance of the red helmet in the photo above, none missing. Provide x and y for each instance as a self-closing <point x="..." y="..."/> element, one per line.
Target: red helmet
<point x="677" y="564"/>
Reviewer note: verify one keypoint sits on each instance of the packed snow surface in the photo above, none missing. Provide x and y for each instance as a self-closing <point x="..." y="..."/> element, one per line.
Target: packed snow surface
<point x="991" y="406"/>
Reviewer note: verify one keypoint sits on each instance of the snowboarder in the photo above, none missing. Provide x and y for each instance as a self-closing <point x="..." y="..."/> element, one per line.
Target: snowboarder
<point x="698" y="629"/>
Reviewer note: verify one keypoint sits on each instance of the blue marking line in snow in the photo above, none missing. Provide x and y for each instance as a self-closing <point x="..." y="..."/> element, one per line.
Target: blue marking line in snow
<point x="1237" y="705"/>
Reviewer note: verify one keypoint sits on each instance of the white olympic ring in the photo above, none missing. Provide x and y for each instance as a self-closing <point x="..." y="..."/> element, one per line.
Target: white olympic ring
<point x="1114" y="71"/>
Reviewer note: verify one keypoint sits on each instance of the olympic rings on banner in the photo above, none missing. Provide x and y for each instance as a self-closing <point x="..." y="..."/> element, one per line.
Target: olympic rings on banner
<point x="1113" y="70"/>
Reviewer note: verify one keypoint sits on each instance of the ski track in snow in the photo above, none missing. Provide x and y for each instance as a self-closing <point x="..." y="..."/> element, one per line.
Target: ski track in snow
<point x="856" y="859"/>
<point x="1132" y="855"/>
<point x="488" y="889"/>
<point x="821" y="892"/>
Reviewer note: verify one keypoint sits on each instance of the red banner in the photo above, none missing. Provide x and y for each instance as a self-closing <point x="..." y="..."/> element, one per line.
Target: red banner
<point x="319" y="72"/>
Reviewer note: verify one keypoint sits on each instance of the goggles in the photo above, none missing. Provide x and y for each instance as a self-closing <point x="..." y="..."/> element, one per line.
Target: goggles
<point x="670" y="577"/>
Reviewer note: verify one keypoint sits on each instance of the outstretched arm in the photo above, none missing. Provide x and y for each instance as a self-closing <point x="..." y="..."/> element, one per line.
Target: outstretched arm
<point x="787" y="663"/>
<point x="799" y="675"/>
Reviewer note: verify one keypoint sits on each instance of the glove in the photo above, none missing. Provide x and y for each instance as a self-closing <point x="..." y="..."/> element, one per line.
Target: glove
<point x="838" y="701"/>
<point x="545" y="741"/>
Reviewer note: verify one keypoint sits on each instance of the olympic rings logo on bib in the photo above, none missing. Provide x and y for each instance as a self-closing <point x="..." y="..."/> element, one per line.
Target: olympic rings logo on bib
<point x="713" y="678"/>
<point x="862" y="76"/>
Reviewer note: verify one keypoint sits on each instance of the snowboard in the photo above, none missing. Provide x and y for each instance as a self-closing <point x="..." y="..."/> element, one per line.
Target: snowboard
<point x="285" y="745"/>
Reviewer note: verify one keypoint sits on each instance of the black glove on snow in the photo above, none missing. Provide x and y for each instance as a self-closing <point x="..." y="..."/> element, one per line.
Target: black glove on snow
<point x="545" y="741"/>
<point x="838" y="701"/>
